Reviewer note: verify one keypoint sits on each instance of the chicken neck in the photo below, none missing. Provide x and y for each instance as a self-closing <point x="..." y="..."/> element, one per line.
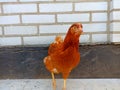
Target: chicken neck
<point x="74" y="42"/>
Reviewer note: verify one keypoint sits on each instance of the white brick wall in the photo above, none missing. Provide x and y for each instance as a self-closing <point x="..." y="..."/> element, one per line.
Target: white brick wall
<point x="94" y="27"/>
<point x="98" y="38"/>
<point x="20" y="30"/>
<point x="91" y="6"/>
<point x="99" y="17"/>
<point x="9" y="19"/>
<point x="73" y="17"/>
<point x="115" y="38"/>
<point x="32" y="22"/>
<point x="6" y="41"/>
<point x="38" y="19"/>
<point x="54" y="28"/>
<point x="85" y="39"/>
<point x="116" y="4"/>
<point x="20" y="8"/>
<point x="116" y="15"/>
<point x="8" y="0"/>
<point x="56" y="7"/>
<point x="115" y="26"/>
<point x="37" y="40"/>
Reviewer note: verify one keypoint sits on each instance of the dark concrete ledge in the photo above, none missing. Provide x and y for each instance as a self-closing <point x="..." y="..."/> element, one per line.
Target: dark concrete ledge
<point x="97" y="61"/>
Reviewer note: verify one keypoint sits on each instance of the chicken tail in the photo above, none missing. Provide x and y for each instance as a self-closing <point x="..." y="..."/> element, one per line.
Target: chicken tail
<point x="58" y="39"/>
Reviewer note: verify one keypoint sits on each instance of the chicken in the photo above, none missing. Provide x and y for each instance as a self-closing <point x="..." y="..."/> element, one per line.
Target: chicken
<point x="63" y="55"/>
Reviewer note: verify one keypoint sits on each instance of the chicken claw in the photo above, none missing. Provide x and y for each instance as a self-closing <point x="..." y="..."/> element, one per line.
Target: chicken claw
<point x="54" y="81"/>
<point x="64" y="86"/>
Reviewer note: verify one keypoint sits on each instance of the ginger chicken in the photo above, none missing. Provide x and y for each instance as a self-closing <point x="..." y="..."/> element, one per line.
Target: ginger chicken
<point x="63" y="55"/>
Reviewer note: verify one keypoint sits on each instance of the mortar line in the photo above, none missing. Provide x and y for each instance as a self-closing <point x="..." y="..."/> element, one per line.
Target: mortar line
<point x="38" y="10"/>
<point x="22" y="40"/>
<point x="35" y="24"/>
<point x="3" y="31"/>
<point x="51" y="34"/>
<point x="108" y="22"/>
<point x="73" y="7"/>
<point x="56" y="20"/>
<point x="90" y="18"/>
<point x="38" y="30"/>
<point x="20" y="16"/>
<point x="52" y="13"/>
<point x="1" y="6"/>
<point x="90" y="38"/>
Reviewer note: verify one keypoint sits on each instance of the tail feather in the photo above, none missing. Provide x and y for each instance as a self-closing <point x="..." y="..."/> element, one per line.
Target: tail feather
<point x="55" y="46"/>
<point x="58" y="39"/>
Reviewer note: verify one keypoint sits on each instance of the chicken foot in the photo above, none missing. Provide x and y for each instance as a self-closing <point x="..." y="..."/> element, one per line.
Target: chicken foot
<point x="64" y="86"/>
<point x="54" y="81"/>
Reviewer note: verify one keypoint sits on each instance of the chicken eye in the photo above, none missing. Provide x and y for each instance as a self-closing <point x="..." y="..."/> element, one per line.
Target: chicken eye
<point x="73" y="29"/>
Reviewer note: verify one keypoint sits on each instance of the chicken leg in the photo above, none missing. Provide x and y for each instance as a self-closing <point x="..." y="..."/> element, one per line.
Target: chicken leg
<point x="64" y="86"/>
<point x="54" y="81"/>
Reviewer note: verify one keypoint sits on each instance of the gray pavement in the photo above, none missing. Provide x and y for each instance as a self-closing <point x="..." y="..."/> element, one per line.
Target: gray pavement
<point x="72" y="84"/>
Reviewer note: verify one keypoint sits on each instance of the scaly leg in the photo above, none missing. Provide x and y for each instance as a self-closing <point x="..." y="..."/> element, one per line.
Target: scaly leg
<point x="64" y="86"/>
<point x="54" y="82"/>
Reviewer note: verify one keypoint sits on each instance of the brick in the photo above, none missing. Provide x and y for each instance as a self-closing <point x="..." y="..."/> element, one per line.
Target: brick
<point x="10" y="41"/>
<point x="8" y="0"/>
<point x="91" y="6"/>
<point x="34" y="0"/>
<point x="54" y="28"/>
<point x="38" y="18"/>
<point x="99" y="16"/>
<point x="116" y="4"/>
<point x="0" y="30"/>
<point x="56" y="7"/>
<point x="94" y="27"/>
<point x="115" y="15"/>
<point x="84" y="39"/>
<point x="37" y="40"/>
<point x="19" y="8"/>
<point x="115" y="26"/>
<point x="73" y="17"/>
<point x="9" y="19"/>
<point x="20" y="30"/>
<point x="115" y="38"/>
<point x="99" y="38"/>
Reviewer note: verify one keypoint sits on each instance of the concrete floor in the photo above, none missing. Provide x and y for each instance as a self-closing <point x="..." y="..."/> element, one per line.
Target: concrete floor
<point x="72" y="84"/>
